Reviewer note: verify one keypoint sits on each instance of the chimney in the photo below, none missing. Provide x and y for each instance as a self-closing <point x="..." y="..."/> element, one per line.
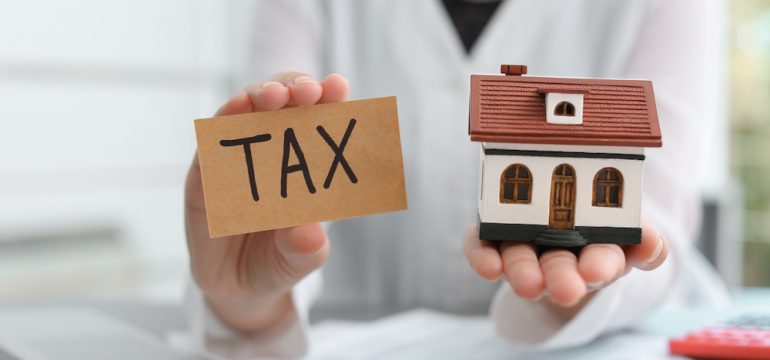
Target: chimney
<point x="515" y="70"/>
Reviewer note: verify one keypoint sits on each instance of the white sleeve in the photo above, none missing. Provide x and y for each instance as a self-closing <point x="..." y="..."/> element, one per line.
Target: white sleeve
<point x="216" y="340"/>
<point x="676" y="51"/>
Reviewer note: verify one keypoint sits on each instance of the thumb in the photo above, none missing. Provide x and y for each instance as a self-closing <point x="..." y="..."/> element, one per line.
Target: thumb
<point x="302" y="249"/>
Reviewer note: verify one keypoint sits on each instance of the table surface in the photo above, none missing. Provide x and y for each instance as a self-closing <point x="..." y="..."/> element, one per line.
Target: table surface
<point x="420" y="333"/>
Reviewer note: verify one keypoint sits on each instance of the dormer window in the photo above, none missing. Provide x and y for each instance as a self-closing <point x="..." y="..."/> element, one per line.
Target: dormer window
<point x="564" y="108"/>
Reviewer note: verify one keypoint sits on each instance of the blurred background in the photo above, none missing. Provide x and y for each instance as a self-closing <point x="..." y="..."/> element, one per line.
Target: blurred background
<point x="97" y="100"/>
<point x="750" y="131"/>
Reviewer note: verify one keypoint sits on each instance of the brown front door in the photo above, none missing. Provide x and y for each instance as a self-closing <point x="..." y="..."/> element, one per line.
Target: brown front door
<point x="562" y="214"/>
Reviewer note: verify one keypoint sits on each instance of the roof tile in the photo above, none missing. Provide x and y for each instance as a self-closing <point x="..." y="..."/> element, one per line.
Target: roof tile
<point x="511" y="109"/>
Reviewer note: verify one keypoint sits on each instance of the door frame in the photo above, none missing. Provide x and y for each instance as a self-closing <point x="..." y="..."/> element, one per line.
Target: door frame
<point x="570" y="197"/>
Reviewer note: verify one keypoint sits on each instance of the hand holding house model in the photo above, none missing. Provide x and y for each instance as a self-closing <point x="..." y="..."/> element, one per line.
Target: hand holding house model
<point x="562" y="157"/>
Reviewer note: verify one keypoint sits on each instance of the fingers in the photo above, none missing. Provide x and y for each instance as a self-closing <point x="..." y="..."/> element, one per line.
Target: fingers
<point x="296" y="89"/>
<point x="482" y="255"/>
<point x="601" y="264"/>
<point x="567" y="278"/>
<point x="271" y="95"/>
<point x="303" y="88"/>
<point x="651" y="252"/>
<point x="301" y="240"/>
<point x="522" y="269"/>
<point x="335" y="89"/>
<point x="238" y="104"/>
<point x="287" y="89"/>
<point x="563" y="283"/>
<point x="303" y="248"/>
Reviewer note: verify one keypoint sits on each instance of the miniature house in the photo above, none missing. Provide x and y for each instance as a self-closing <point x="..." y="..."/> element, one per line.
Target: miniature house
<point x="561" y="157"/>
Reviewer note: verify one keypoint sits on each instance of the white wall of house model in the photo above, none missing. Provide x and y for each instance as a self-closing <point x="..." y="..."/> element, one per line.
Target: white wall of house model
<point x="536" y="212"/>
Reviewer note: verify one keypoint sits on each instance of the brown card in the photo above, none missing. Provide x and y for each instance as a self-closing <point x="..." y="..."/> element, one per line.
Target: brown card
<point x="308" y="164"/>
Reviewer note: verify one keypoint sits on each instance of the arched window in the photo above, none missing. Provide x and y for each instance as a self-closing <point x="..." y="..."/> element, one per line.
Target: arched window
<point x="516" y="185"/>
<point x="564" y="108"/>
<point x="608" y="188"/>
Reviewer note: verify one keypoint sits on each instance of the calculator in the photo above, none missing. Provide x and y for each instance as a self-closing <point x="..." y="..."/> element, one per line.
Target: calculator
<point x="742" y="337"/>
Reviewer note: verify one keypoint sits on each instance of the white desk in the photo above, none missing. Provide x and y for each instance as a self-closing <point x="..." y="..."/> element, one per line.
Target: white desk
<point x="421" y="334"/>
<point x="424" y="334"/>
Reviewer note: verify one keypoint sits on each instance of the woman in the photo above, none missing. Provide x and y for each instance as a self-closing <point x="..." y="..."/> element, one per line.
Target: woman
<point x="253" y="291"/>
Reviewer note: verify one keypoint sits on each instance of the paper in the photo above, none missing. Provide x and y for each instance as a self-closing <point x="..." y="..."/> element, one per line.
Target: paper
<point x="276" y="169"/>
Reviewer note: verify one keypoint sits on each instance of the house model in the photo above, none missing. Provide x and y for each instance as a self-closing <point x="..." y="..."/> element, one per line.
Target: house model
<point x="562" y="157"/>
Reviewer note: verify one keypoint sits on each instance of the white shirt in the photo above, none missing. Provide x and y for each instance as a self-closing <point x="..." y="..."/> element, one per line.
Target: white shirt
<point x="410" y="49"/>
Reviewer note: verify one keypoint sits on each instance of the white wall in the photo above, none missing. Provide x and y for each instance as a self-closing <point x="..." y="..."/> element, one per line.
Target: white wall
<point x="98" y="101"/>
<point x="536" y="212"/>
<point x="553" y="99"/>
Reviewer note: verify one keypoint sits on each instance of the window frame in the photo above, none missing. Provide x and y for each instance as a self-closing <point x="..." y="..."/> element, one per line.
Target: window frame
<point x="569" y="109"/>
<point x="515" y="181"/>
<point x="606" y="185"/>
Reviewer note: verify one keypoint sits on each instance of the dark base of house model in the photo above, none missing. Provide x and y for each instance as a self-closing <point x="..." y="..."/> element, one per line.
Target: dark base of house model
<point x="542" y="235"/>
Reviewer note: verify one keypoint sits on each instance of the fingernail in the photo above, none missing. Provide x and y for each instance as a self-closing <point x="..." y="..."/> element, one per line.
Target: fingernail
<point x="595" y="285"/>
<point x="333" y="75"/>
<point x="301" y="80"/>
<point x="655" y="254"/>
<point x="542" y="295"/>
<point x="270" y="84"/>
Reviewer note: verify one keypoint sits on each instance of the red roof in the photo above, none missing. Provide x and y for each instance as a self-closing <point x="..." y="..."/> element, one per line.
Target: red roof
<point x="511" y="109"/>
